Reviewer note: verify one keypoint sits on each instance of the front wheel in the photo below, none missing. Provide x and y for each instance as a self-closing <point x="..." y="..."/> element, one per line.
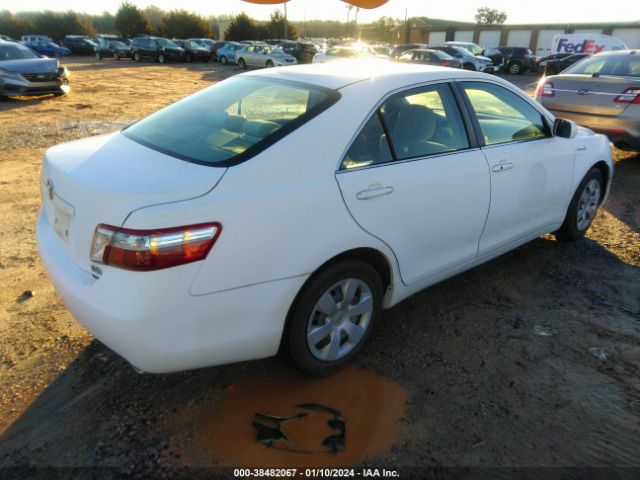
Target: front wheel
<point x="136" y="57"/>
<point x="269" y="64"/>
<point x="223" y="60"/>
<point x="583" y="207"/>
<point x="515" y="68"/>
<point x="469" y="66"/>
<point x="242" y="64"/>
<point x="98" y="56"/>
<point x="333" y="316"/>
<point x="161" y="58"/>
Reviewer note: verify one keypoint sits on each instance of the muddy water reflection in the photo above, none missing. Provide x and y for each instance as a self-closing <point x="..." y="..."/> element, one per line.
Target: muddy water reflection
<point x="369" y="405"/>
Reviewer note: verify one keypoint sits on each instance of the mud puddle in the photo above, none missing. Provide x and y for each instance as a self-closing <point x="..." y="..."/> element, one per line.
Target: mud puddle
<point x="284" y="419"/>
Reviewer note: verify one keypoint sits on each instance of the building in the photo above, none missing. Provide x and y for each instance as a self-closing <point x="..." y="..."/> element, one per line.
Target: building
<point x="538" y="37"/>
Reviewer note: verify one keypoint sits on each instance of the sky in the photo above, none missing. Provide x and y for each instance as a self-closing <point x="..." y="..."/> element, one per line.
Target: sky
<point x="539" y="11"/>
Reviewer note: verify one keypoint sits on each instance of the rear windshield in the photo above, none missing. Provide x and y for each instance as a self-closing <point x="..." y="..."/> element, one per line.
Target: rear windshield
<point x="615" y="65"/>
<point x="232" y="120"/>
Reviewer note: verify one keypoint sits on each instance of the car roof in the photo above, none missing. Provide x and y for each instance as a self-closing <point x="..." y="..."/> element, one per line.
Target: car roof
<point x="340" y="73"/>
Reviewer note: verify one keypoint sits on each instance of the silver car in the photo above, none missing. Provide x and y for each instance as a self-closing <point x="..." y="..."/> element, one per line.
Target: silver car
<point x="263" y="56"/>
<point x="601" y="92"/>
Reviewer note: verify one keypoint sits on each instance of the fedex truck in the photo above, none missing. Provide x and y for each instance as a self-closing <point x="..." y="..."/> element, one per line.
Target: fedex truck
<point x="585" y="43"/>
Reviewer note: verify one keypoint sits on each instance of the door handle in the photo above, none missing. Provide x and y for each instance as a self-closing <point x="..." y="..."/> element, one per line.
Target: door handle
<point x="374" y="192"/>
<point x="501" y="167"/>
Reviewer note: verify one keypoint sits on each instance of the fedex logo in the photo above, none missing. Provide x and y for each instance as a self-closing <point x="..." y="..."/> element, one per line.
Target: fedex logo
<point x="588" y="46"/>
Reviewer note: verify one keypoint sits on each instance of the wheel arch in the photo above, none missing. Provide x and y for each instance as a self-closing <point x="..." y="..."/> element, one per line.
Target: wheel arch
<point x="605" y="170"/>
<point x="372" y="256"/>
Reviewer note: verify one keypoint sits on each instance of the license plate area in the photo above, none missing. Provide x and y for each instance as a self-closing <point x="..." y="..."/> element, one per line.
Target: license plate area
<point x="61" y="215"/>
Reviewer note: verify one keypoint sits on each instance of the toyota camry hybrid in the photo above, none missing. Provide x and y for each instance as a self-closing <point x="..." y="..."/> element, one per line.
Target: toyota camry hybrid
<point x="284" y="209"/>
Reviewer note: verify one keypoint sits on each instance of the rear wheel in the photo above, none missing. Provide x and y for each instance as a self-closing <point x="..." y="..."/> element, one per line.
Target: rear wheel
<point x="242" y="64"/>
<point x="161" y="58"/>
<point x="223" y="60"/>
<point x="269" y="64"/>
<point x="189" y="58"/>
<point x="98" y="56"/>
<point x="333" y="316"/>
<point x="469" y="66"/>
<point x="583" y="207"/>
<point x="136" y="57"/>
<point x="515" y="68"/>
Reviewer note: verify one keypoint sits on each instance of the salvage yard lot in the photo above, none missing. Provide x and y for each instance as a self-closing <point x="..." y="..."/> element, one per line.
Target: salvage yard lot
<point x="530" y="360"/>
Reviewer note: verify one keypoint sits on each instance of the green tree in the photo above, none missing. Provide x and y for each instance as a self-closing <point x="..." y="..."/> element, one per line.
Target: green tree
<point x="130" y="20"/>
<point x="58" y="24"/>
<point x="275" y="26"/>
<point x="184" y="24"/>
<point x="104" y="23"/>
<point x="242" y="27"/>
<point x="154" y="15"/>
<point x="490" y="16"/>
<point x="13" y="25"/>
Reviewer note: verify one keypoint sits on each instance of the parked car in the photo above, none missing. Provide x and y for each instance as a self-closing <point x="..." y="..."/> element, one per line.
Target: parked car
<point x="212" y="45"/>
<point x="112" y="48"/>
<point x="601" y="92"/>
<point x="473" y="48"/>
<point x="554" y="56"/>
<point x="273" y="209"/>
<point x="342" y="53"/>
<point x="101" y="37"/>
<point x="403" y="47"/>
<point x="514" y="60"/>
<point x="430" y="57"/>
<point x="552" y="67"/>
<point x="227" y="53"/>
<point x="302" y="51"/>
<point x="263" y="56"/>
<point x="468" y="60"/>
<point x="35" y="38"/>
<point x="6" y="38"/>
<point x="47" y="48"/>
<point x="80" y="44"/>
<point x="194" y="52"/>
<point x="156" y="48"/>
<point x="24" y="72"/>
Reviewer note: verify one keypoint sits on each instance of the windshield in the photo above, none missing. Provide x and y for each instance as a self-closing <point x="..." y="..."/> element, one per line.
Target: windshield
<point x="232" y="120"/>
<point x="16" y="52"/>
<point x="463" y="51"/>
<point x="277" y="51"/>
<point x="616" y="65"/>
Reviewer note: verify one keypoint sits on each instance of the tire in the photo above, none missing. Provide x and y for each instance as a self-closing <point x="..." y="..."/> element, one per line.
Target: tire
<point x="514" y="68"/>
<point x="242" y="64"/>
<point x="98" y="56"/>
<point x="322" y="356"/>
<point x="136" y="56"/>
<point x="161" y="58"/>
<point x="189" y="58"/>
<point x="469" y="66"/>
<point x="583" y="206"/>
<point x="223" y="60"/>
<point x="269" y="64"/>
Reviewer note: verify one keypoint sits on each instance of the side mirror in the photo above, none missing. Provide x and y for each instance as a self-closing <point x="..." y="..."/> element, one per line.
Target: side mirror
<point x="564" y="128"/>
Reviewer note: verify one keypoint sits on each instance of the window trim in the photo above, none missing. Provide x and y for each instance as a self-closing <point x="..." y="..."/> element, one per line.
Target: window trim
<point x="469" y="130"/>
<point x="546" y="118"/>
<point x="332" y="97"/>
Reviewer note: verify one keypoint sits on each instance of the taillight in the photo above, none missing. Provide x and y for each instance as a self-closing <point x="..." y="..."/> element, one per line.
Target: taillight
<point x="629" y="96"/>
<point x="446" y="63"/>
<point x="544" y="89"/>
<point x="153" y="249"/>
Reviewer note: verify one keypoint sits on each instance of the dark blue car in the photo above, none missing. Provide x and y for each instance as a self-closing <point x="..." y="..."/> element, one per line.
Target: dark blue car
<point x="50" y="49"/>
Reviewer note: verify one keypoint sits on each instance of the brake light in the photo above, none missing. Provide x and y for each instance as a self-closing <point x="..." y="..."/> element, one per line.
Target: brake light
<point x="544" y="89"/>
<point x="145" y="250"/>
<point x="446" y="63"/>
<point x="629" y="96"/>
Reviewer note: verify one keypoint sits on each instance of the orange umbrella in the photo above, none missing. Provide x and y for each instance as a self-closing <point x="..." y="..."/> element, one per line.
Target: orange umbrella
<point x="355" y="3"/>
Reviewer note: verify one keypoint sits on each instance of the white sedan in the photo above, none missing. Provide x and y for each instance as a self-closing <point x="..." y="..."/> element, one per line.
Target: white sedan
<point x="287" y="208"/>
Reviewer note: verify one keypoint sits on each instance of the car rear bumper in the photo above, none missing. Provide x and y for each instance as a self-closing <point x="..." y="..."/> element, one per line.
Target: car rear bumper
<point x="623" y="132"/>
<point x="151" y="320"/>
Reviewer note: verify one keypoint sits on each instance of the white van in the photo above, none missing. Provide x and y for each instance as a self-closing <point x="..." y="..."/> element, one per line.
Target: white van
<point x="585" y="43"/>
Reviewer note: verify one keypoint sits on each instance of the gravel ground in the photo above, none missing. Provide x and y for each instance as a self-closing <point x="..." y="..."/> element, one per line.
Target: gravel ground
<point x="531" y="360"/>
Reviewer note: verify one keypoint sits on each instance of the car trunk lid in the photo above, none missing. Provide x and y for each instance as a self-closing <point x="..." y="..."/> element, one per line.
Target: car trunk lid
<point x="589" y="94"/>
<point x="103" y="179"/>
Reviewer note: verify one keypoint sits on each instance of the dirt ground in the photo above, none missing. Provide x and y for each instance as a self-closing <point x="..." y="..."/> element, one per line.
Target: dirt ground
<point x="531" y="360"/>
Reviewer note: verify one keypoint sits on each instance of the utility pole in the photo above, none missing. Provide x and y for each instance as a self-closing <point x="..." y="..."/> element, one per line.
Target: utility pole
<point x="286" y="33"/>
<point x="349" y="7"/>
<point x="357" y="12"/>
